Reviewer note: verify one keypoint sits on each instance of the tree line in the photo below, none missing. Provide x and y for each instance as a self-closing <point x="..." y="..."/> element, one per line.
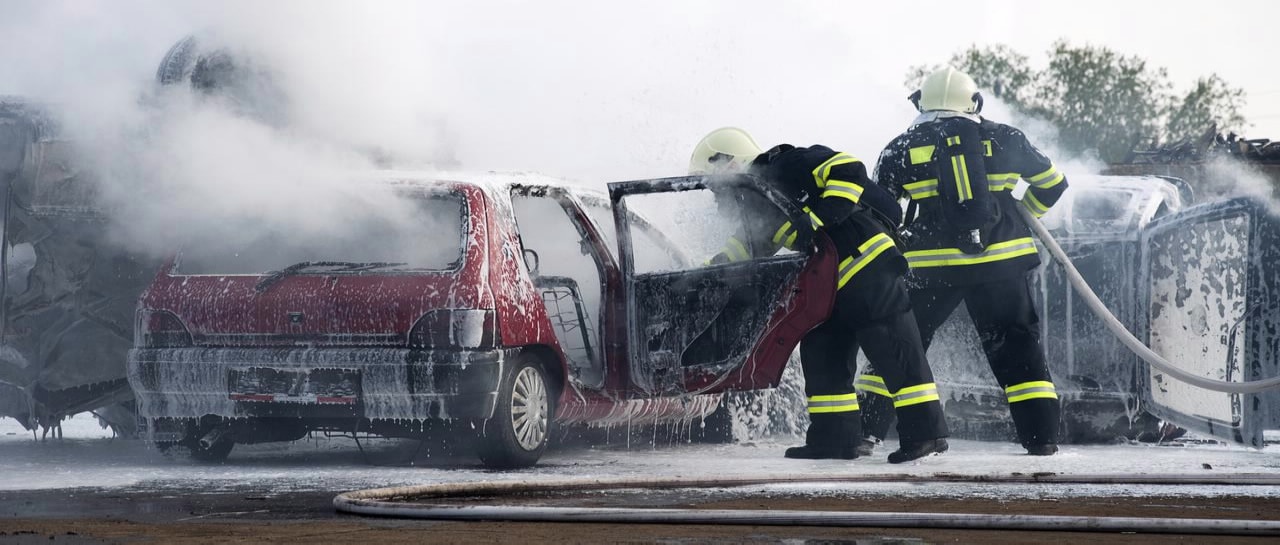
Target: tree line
<point x="1102" y="102"/>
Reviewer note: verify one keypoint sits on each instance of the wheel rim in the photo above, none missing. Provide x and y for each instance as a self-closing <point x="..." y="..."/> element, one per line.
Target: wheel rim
<point x="529" y="408"/>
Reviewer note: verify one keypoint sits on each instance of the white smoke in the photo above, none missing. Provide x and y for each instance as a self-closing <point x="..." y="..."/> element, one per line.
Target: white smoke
<point x="589" y="92"/>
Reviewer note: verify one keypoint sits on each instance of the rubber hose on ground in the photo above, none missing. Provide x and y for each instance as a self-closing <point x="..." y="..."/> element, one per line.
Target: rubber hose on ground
<point x="397" y="502"/>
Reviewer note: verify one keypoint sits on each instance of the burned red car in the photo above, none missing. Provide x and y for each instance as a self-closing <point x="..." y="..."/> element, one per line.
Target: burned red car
<point x="509" y="304"/>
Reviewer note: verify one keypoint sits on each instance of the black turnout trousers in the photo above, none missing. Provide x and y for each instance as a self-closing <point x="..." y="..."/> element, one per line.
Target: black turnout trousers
<point x="1004" y="315"/>
<point x="873" y="313"/>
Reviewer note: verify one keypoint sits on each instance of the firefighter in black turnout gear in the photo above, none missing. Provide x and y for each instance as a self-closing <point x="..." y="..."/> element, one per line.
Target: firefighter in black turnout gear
<point x="967" y="243"/>
<point x="872" y="308"/>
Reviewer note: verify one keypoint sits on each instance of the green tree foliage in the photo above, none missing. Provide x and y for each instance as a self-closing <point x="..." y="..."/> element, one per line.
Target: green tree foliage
<point x="1102" y="102"/>
<point x="1212" y="103"/>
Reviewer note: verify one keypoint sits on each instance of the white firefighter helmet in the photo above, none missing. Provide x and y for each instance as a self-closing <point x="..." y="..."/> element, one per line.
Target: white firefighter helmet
<point x="948" y="89"/>
<point x="727" y="149"/>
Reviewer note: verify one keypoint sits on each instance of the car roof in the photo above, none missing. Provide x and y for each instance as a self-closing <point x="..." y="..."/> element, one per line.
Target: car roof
<point x="497" y="182"/>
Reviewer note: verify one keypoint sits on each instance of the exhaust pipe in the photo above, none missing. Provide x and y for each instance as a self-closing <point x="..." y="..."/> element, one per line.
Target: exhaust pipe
<point x="216" y="435"/>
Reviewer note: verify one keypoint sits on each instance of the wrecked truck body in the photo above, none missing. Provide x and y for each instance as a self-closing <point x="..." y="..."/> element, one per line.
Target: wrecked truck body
<point x="526" y="314"/>
<point x="68" y="292"/>
<point x="1195" y="283"/>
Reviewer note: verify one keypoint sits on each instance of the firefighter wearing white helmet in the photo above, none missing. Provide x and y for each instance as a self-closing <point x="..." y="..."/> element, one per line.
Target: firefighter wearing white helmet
<point x="966" y="242"/>
<point x="727" y="149"/>
<point x="872" y="309"/>
<point x="948" y="90"/>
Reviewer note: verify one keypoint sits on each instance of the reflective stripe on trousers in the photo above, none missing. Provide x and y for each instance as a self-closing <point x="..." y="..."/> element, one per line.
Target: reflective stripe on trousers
<point x="839" y="403"/>
<point x="910" y="395"/>
<point x="873" y="384"/>
<point x="1036" y="389"/>
<point x="914" y="395"/>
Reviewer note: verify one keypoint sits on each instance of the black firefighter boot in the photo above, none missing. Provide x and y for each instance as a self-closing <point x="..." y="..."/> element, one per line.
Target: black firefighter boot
<point x="913" y="450"/>
<point x="830" y="436"/>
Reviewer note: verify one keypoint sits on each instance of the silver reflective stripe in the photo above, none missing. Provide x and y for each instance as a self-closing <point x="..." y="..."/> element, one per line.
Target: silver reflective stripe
<point x="855" y="193"/>
<point x="961" y="258"/>
<point x="867" y="255"/>
<point x="1025" y="391"/>
<point x="913" y="395"/>
<point x="923" y="190"/>
<point x="848" y="403"/>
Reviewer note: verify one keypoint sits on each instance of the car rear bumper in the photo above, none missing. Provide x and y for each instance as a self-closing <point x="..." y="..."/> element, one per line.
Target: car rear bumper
<point x="387" y="383"/>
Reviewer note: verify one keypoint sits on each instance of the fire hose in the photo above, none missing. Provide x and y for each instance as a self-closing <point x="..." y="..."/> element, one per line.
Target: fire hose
<point x="1123" y="334"/>
<point x="408" y="502"/>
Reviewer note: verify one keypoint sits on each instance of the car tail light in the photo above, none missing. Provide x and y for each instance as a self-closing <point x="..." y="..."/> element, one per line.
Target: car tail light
<point x="160" y="329"/>
<point x="454" y="328"/>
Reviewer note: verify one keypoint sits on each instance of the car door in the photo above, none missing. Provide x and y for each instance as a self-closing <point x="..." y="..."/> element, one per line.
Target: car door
<point x="1211" y="275"/>
<point x="714" y="326"/>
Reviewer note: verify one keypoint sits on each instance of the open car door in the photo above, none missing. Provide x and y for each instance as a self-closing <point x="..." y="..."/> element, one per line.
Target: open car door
<point x="717" y="324"/>
<point x="1212" y="280"/>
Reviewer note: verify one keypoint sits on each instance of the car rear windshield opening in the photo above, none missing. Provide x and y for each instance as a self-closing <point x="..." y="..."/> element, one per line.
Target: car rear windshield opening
<point x="424" y="232"/>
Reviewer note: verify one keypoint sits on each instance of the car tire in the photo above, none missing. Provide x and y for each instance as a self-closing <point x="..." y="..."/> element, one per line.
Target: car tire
<point x="516" y="435"/>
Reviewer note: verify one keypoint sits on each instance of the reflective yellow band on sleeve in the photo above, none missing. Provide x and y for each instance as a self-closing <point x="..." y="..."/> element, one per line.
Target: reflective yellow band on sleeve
<point x="823" y="171"/>
<point x="1033" y="204"/>
<point x="813" y="218"/>
<point x="1051" y="182"/>
<point x="1002" y="181"/>
<point x="949" y="257"/>
<point x="922" y="189"/>
<point x="921" y="155"/>
<point x="736" y="250"/>
<point x="872" y="384"/>
<point x="1043" y="175"/>
<point x="868" y="251"/>
<point x="1036" y="389"/>
<point x="840" y="403"/>
<point x="915" y="395"/>
<point x="843" y="189"/>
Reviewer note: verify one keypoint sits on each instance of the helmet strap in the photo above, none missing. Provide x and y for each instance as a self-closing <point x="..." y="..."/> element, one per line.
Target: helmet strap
<point x="915" y="99"/>
<point x="977" y="103"/>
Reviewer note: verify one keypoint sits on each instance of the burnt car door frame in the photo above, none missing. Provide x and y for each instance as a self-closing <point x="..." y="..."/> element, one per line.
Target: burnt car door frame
<point x="608" y="316"/>
<point x="801" y="299"/>
<point x="1258" y="355"/>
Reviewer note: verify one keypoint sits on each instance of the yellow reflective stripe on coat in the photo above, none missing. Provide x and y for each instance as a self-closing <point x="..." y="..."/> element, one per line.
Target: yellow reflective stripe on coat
<point x="922" y="189"/>
<point x="813" y="218"/>
<point x="947" y="257"/>
<point x="921" y="155"/>
<point x="841" y="188"/>
<point x="840" y="403"/>
<point x="1002" y="181"/>
<point x="961" y="172"/>
<point x="953" y="140"/>
<point x="1036" y="389"/>
<point x="735" y="250"/>
<point x="1047" y="179"/>
<point x="986" y="148"/>
<point x="1033" y="204"/>
<point x="873" y="384"/>
<point x="915" y="395"/>
<point x="823" y="171"/>
<point x="868" y="251"/>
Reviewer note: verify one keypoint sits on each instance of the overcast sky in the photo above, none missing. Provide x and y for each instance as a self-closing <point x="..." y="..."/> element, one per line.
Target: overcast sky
<point x="592" y="89"/>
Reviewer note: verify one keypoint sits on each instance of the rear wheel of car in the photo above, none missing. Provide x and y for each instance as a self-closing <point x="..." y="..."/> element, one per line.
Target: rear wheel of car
<point x="517" y="434"/>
